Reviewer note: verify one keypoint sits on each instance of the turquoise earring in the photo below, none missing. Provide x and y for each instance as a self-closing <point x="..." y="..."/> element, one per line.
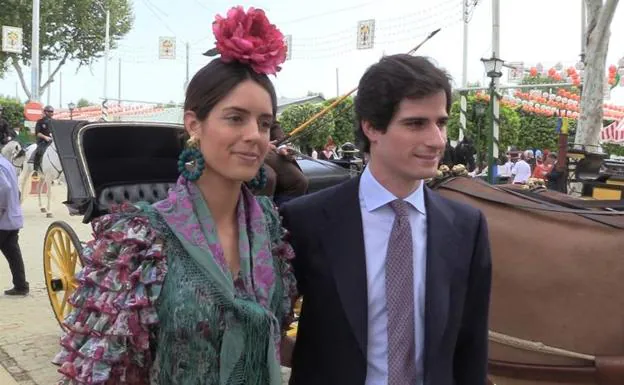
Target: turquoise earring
<point x="259" y="181"/>
<point x="192" y="155"/>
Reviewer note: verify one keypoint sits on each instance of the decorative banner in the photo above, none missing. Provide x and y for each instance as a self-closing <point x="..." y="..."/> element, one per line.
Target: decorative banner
<point x="167" y="48"/>
<point x="366" y="34"/>
<point x="288" y="41"/>
<point x="515" y="74"/>
<point x="12" y="39"/>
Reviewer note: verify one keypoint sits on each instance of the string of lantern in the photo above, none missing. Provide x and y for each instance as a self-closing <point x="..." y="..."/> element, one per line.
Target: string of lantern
<point x="563" y="103"/>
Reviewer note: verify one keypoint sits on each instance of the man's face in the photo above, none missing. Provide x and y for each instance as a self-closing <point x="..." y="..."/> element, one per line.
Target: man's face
<point x="48" y="113"/>
<point x="414" y="143"/>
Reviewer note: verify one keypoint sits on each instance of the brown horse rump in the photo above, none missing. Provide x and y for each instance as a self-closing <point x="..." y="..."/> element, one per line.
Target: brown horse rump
<point x="558" y="280"/>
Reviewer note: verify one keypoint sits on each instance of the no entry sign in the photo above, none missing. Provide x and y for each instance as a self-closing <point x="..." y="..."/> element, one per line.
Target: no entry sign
<point x="33" y="111"/>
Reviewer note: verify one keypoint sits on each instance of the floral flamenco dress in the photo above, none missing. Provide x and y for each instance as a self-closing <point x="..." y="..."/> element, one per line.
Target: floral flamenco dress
<point x="156" y="303"/>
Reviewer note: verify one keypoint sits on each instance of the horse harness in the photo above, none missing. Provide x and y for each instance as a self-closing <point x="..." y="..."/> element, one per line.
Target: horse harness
<point x="596" y="216"/>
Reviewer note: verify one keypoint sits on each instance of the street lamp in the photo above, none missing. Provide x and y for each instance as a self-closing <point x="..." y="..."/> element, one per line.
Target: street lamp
<point x="479" y="113"/>
<point x="493" y="67"/>
<point x="71" y="107"/>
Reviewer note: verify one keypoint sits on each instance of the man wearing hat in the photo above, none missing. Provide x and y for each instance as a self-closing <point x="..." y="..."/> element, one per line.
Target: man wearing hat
<point x="43" y="134"/>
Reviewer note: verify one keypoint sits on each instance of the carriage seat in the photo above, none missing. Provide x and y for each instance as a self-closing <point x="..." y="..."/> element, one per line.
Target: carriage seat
<point x="132" y="193"/>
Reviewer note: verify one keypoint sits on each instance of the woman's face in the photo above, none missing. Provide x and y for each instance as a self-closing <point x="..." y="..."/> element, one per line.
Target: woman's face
<point x="234" y="137"/>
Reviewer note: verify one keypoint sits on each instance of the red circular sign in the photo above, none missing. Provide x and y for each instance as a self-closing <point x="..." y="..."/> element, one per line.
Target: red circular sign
<point x="33" y="111"/>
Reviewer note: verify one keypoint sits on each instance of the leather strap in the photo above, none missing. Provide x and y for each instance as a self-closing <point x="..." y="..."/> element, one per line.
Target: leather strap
<point x="608" y="370"/>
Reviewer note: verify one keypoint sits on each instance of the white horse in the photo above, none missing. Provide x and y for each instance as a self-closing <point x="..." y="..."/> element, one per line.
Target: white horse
<point x="14" y="152"/>
<point x="51" y="171"/>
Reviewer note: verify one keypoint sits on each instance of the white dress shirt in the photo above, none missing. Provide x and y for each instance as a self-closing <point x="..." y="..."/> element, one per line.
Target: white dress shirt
<point x="522" y="172"/>
<point x="377" y="221"/>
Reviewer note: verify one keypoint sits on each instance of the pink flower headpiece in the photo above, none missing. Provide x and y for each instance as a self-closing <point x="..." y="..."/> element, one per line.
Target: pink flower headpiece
<point x="249" y="37"/>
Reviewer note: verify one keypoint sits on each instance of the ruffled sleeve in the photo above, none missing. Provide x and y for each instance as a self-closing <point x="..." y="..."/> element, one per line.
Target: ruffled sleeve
<point x="283" y="254"/>
<point x="109" y="328"/>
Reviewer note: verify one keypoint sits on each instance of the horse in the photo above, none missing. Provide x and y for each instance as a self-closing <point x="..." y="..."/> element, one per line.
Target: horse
<point x="14" y="152"/>
<point x="555" y="312"/>
<point x="51" y="171"/>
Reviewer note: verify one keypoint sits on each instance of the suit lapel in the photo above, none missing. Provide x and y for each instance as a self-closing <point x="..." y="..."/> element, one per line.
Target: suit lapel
<point x="441" y="251"/>
<point x="344" y="246"/>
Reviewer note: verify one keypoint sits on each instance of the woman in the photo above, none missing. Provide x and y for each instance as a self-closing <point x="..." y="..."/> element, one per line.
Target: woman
<point x="197" y="288"/>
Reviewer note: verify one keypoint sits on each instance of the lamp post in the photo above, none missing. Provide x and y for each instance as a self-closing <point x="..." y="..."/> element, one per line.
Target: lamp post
<point x="493" y="67"/>
<point x="479" y="110"/>
<point x="71" y="107"/>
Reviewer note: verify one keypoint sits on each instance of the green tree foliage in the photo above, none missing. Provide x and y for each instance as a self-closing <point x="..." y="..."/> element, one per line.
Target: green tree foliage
<point x="316" y="134"/>
<point x="478" y="126"/>
<point x="82" y="102"/>
<point x="344" y="121"/>
<point x="69" y="30"/>
<point x="13" y="111"/>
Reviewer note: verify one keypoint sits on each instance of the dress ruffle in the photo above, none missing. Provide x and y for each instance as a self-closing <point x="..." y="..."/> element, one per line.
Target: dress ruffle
<point x="109" y="327"/>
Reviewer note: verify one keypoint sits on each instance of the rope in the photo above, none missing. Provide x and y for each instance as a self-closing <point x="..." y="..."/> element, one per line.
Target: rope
<point x="535" y="346"/>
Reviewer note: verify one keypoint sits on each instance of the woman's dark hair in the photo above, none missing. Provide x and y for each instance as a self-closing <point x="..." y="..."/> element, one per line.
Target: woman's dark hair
<point x="385" y="84"/>
<point x="217" y="79"/>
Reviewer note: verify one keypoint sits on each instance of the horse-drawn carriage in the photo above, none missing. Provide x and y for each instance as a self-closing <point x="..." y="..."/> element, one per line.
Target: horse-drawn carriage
<point x="556" y="317"/>
<point x="108" y="163"/>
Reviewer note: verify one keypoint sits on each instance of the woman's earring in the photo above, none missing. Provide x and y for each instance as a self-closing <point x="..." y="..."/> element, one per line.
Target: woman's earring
<point x="259" y="181"/>
<point x="191" y="154"/>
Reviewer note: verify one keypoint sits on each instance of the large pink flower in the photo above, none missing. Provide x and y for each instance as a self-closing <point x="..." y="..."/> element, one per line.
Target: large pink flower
<point x="250" y="38"/>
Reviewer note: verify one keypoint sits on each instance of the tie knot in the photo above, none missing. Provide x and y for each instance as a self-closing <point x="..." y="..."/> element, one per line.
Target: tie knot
<point x="400" y="207"/>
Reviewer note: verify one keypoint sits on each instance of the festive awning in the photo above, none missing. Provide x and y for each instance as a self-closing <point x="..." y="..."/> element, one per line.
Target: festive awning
<point x="613" y="133"/>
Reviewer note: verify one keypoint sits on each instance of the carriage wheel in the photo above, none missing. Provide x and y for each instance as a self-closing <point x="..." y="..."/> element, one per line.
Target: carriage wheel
<point x="61" y="260"/>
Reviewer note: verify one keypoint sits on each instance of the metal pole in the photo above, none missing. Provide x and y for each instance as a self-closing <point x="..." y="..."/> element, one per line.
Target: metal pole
<point x="119" y="81"/>
<point x="583" y="30"/>
<point x="337" y="83"/>
<point x="187" y="65"/>
<point x="463" y="101"/>
<point x="490" y="137"/>
<point x="34" y="68"/>
<point x="49" y="90"/>
<point x="60" y="89"/>
<point x="106" y="53"/>
<point x="495" y="102"/>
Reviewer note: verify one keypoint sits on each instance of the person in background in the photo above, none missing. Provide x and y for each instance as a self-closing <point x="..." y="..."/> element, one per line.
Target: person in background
<point x="555" y="179"/>
<point x="521" y="171"/>
<point x="43" y="135"/>
<point x="11" y="221"/>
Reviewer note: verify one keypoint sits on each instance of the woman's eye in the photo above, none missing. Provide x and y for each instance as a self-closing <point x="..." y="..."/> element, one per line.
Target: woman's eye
<point x="265" y="125"/>
<point x="235" y="119"/>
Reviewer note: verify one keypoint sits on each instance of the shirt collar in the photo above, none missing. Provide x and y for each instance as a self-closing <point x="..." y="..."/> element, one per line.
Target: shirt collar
<point x="375" y="195"/>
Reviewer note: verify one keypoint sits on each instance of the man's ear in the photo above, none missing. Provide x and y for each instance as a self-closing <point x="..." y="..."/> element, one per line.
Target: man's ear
<point x="369" y="131"/>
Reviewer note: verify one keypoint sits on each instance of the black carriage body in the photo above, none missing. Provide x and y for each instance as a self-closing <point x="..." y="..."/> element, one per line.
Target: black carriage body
<point x="107" y="163"/>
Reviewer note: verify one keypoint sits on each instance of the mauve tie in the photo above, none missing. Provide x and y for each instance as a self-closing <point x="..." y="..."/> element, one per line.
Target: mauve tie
<point x="400" y="299"/>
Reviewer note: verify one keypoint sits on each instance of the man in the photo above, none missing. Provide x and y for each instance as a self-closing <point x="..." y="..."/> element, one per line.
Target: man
<point x="285" y="178"/>
<point x="555" y="179"/>
<point x="11" y="222"/>
<point x="521" y="171"/>
<point x="395" y="279"/>
<point x="43" y="135"/>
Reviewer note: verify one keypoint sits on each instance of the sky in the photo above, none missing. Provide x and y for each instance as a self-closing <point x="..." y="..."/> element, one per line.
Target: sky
<point x="324" y="54"/>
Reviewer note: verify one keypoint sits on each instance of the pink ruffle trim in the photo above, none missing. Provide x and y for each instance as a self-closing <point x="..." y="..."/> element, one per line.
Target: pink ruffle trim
<point x="113" y="307"/>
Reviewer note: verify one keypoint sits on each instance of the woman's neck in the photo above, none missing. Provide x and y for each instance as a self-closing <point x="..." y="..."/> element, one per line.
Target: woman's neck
<point x="221" y="195"/>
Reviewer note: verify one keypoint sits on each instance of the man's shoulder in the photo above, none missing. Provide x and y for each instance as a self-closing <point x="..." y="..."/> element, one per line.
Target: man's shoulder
<point x="318" y="199"/>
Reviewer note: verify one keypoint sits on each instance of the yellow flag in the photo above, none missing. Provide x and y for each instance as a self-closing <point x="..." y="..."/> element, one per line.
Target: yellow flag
<point x="564" y="126"/>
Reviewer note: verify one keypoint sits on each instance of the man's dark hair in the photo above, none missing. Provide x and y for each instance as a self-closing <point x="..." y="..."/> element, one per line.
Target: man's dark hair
<point x="386" y="83"/>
